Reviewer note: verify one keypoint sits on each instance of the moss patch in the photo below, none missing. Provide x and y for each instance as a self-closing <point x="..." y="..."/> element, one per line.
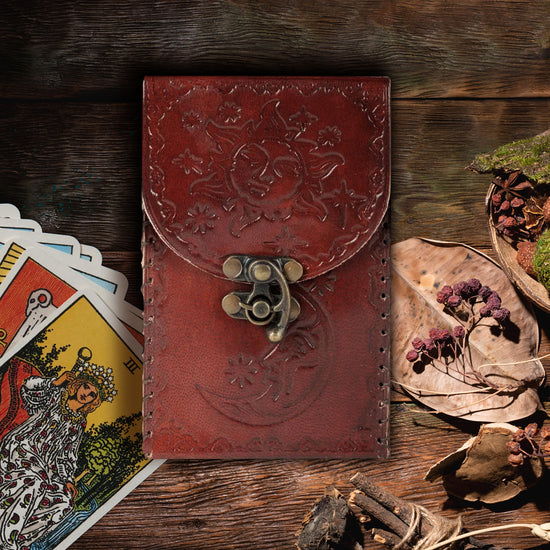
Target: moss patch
<point x="531" y="156"/>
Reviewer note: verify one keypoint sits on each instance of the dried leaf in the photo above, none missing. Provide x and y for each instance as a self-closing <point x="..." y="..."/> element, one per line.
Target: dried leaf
<point x="479" y="470"/>
<point x="419" y="269"/>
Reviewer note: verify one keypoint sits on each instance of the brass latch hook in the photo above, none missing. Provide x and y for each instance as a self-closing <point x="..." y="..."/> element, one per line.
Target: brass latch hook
<point x="270" y="302"/>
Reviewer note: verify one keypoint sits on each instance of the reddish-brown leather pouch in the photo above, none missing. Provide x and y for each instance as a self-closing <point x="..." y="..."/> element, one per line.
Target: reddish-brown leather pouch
<point x="248" y="184"/>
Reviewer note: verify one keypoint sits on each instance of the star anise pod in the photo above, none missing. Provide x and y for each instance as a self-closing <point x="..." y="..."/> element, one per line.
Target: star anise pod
<point x="508" y="203"/>
<point x="514" y="185"/>
<point x="534" y="212"/>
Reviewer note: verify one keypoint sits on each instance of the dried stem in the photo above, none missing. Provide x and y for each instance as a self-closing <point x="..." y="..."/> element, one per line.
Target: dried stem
<point x="394" y="512"/>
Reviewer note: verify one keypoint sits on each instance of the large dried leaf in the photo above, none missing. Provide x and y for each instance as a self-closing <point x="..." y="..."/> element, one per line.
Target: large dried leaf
<point x="479" y="470"/>
<point x="419" y="269"/>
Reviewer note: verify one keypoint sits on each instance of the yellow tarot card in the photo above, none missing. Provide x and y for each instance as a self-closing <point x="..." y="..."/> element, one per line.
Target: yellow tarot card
<point x="73" y="447"/>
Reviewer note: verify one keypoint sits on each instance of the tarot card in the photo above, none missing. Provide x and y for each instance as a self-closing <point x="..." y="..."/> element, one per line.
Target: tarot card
<point x="61" y="243"/>
<point x="90" y="254"/>
<point x="13" y="224"/>
<point x="79" y="451"/>
<point x="36" y="286"/>
<point x="108" y="279"/>
<point x="9" y="211"/>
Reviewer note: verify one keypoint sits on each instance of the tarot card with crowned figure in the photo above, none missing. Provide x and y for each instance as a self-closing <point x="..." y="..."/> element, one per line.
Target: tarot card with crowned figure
<point x="75" y="449"/>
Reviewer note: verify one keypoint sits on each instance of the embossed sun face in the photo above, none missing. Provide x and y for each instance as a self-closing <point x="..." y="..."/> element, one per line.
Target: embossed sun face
<point x="269" y="172"/>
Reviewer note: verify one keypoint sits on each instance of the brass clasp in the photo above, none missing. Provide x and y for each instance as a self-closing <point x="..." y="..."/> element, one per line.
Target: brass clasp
<point x="270" y="302"/>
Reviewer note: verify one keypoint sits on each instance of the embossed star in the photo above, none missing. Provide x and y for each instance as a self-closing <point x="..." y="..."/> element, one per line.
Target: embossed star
<point x="303" y="118"/>
<point x="286" y="243"/>
<point x="347" y="201"/>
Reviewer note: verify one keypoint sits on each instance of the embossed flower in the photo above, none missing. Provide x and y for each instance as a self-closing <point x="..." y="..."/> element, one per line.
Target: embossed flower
<point x="241" y="371"/>
<point x="190" y="119"/>
<point x="229" y="112"/>
<point x="321" y="285"/>
<point x="362" y="102"/>
<point x="303" y="118"/>
<point x="329" y="135"/>
<point x="188" y="162"/>
<point x="200" y="218"/>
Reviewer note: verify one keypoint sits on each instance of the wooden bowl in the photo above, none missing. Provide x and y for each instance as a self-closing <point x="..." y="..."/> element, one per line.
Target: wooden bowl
<point x="506" y="255"/>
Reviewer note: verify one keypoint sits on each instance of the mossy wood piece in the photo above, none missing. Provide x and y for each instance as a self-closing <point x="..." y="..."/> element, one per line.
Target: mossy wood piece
<point x="531" y="156"/>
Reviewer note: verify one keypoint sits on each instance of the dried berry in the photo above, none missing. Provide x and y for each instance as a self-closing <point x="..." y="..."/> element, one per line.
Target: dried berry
<point x="531" y="430"/>
<point x="454" y="301"/>
<point x="429" y="345"/>
<point x="494" y="301"/>
<point x="501" y="315"/>
<point x="545" y="432"/>
<point x="484" y="292"/>
<point x="412" y="356"/>
<point x="474" y="285"/>
<point x="519" y="435"/>
<point x="448" y="290"/>
<point x="517" y="202"/>
<point x="485" y="311"/>
<point x="461" y="288"/>
<point x="513" y="447"/>
<point x="459" y="332"/>
<point x="417" y="344"/>
<point x="515" y="460"/>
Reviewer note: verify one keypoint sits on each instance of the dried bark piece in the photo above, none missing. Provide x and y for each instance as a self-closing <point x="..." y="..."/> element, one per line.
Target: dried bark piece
<point x="525" y="256"/>
<point x="531" y="156"/>
<point x="329" y="525"/>
<point x="419" y="269"/>
<point x="480" y="471"/>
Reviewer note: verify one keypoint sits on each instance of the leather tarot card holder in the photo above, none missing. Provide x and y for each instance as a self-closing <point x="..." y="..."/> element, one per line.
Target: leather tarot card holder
<point x="266" y="267"/>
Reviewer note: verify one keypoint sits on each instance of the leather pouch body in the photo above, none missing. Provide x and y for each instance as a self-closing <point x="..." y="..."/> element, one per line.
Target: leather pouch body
<point x="266" y="168"/>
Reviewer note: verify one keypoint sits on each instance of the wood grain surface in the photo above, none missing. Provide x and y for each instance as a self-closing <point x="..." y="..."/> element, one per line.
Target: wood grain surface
<point x="467" y="76"/>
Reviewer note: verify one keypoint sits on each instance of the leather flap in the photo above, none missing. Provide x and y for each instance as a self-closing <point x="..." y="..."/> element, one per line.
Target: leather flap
<point x="295" y="167"/>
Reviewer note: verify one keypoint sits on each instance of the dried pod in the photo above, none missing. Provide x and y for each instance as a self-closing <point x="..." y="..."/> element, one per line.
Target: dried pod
<point x="480" y="470"/>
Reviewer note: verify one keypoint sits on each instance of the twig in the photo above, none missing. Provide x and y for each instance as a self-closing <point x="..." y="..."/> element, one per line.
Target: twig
<point x="394" y="512"/>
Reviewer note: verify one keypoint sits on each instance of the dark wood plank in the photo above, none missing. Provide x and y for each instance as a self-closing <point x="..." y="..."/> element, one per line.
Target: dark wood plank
<point x="82" y="49"/>
<point x="75" y="168"/>
<point x="260" y="504"/>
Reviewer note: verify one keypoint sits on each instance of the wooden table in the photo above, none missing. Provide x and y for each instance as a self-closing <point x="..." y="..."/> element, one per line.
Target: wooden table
<point x="467" y="76"/>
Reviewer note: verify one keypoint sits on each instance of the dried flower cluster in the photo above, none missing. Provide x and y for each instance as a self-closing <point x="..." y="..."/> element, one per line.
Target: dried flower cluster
<point x="530" y="442"/>
<point x="521" y="213"/>
<point x="470" y="303"/>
